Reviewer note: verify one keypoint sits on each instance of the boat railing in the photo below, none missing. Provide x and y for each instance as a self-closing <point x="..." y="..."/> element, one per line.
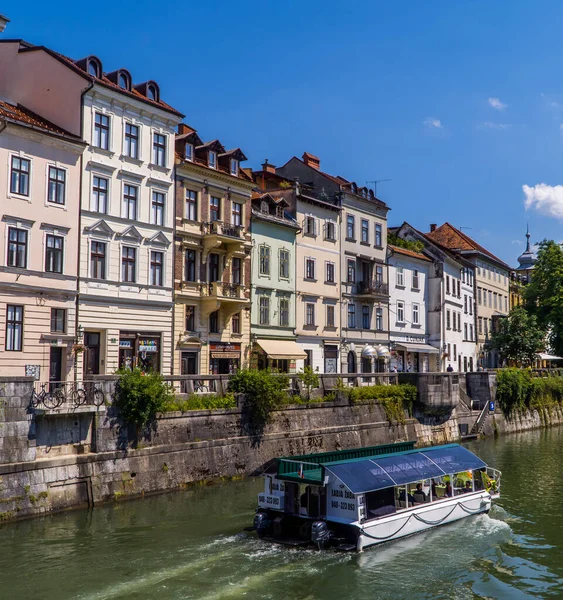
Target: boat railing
<point x="308" y="472"/>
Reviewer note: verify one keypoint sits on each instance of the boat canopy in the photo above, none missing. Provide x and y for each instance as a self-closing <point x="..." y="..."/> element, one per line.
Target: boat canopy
<point x="370" y="469"/>
<point x="387" y="471"/>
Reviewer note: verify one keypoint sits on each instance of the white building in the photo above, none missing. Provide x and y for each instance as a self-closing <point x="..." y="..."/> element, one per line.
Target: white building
<point x="408" y="311"/>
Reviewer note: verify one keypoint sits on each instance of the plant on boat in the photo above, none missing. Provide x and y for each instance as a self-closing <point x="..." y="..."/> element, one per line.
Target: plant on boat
<point x="139" y="396"/>
<point x="395" y="399"/>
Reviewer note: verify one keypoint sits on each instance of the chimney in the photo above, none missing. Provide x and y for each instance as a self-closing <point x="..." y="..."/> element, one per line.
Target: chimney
<point x="312" y="161"/>
<point x="3" y="22"/>
<point x="432" y="227"/>
<point x="183" y="128"/>
<point x="269" y="168"/>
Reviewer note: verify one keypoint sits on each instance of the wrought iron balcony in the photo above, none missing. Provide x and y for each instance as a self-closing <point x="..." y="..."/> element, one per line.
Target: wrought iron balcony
<point x="223" y="291"/>
<point x="224" y="229"/>
<point x="372" y="288"/>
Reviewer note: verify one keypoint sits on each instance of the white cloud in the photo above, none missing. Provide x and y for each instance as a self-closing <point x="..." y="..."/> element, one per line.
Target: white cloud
<point x="497" y="104"/>
<point x="517" y="242"/>
<point x="497" y="126"/>
<point x="546" y="199"/>
<point x="432" y="122"/>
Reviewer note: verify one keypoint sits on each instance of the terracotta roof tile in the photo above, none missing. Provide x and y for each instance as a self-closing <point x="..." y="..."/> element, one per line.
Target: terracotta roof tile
<point x="25" y="116"/>
<point x="399" y="250"/>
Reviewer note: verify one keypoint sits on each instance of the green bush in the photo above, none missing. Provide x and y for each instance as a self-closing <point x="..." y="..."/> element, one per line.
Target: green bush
<point x="309" y="379"/>
<point x="201" y="402"/>
<point x="140" y="396"/>
<point x="395" y="399"/>
<point x="263" y="390"/>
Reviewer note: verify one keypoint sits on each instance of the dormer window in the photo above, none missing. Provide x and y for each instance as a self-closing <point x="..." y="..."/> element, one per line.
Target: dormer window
<point x="280" y="211"/>
<point x="364" y="193"/>
<point x="152" y="92"/>
<point x="212" y="159"/>
<point x="234" y="166"/>
<point x="94" y="67"/>
<point x="189" y="152"/>
<point x="264" y="208"/>
<point x="123" y="81"/>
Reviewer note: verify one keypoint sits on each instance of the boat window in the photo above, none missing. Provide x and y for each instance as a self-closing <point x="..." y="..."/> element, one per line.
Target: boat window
<point x="380" y="503"/>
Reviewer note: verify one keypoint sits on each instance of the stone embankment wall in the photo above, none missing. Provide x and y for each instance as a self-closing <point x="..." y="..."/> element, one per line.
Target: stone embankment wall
<point x="37" y="475"/>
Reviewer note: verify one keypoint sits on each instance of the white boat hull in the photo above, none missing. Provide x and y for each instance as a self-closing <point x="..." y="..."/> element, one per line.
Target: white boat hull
<point x="422" y="517"/>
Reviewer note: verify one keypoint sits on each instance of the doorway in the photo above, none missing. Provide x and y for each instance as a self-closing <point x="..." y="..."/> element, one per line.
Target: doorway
<point x="351" y="362"/>
<point x="92" y="353"/>
<point x="188" y="366"/>
<point x="55" y="367"/>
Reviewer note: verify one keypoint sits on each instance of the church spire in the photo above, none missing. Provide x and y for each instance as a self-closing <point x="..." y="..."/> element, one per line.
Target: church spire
<point x="527" y="237"/>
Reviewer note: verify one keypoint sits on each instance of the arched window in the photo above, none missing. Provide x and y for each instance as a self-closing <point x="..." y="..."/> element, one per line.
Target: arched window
<point x="123" y="81"/>
<point x="152" y="92"/>
<point x="351" y="362"/>
<point x="94" y="67"/>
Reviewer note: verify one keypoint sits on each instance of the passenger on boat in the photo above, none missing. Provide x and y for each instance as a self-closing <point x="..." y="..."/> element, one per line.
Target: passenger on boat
<point x="448" y="493"/>
<point x="467" y="487"/>
<point x="403" y="496"/>
<point x="434" y="494"/>
<point x="419" y="495"/>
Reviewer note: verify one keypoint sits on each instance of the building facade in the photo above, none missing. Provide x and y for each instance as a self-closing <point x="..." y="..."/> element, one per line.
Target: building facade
<point x="409" y="334"/>
<point x="39" y="185"/>
<point x="212" y="264"/>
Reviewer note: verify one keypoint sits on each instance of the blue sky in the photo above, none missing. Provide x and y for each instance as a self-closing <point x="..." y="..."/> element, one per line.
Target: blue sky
<point x="460" y="104"/>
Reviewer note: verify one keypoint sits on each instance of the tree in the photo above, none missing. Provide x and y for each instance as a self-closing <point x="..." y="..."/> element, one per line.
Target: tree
<point x="517" y="337"/>
<point x="309" y="379"/>
<point x="544" y="294"/>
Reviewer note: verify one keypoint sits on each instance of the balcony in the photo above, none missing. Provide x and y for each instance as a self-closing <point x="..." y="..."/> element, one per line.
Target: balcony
<point x="372" y="289"/>
<point x="230" y="297"/>
<point x="231" y="237"/>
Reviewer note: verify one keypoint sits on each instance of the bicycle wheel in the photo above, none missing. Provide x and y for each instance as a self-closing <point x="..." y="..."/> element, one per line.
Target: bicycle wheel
<point x="79" y="397"/>
<point x="99" y="397"/>
<point x="49" y="400"/>
<point x="59" y="396"/>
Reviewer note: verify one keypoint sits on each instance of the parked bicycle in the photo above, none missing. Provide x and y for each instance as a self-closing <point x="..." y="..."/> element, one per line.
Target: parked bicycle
<point x="49" y="399"/>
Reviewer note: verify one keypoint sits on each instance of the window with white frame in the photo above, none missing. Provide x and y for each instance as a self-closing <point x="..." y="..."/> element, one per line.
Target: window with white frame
<point x="284" y="312"/>
<point x="400" y="312"/>
<point x="310" y="314"/>
<point x="101" y="131"/>
<point x="366" y="317"/>
<point x="130" y="194"/>
<point x="100" y="194"/>
<point x="14" y="328"/>
<point x="470" y="332"/>
<point x="236" y="214"/>
<point x="284" y="264"/>
<point x="215" y="209"/>
<point x="212" y="159"/>
<point x="56" y="185"/>
<point x="54" y="248"/>
<point x="329" y="272"/>
<point x="379" y="319"/>
<point x="400" y="277"/>
<point x="189" y="151"/>
<point x="310" y="269"/>
<point x="310" y="226"/>
<point x="415" y="314"/>
<point x="131" y="145"/>
<point x="234" y="166"/>
<point x="98" y="260"/>
<point x="157" y="268"/>
<point x="17" y="247"/>
<point x="465" y="331"/>
<point x="365" y="231"/>
<point x="415" y="281"/>
<point x="157" y="208"/>
<point x="159" y="150"/>
<point x="378" y="235"/>
<point x="19" y="176"/>
<point x="330" y="231"/>
<point x="448" y="320"/>
<point x="264" y="259"/>
<point x="128" y="264"/>
<point x="191" y="205"/>
<point x="351" y="276"/>
<point x="264" y="310"/>
<point x="330" y="315"/>
<point x="351" y="316"/>
<point x="350" y="227"/>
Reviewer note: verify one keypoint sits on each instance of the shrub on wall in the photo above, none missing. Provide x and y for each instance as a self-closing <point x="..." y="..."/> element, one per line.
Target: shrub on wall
<point x="201" y="402"/>
<point x="395" y="399"/>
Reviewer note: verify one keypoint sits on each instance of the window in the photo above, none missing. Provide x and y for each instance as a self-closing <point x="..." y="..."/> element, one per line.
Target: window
<point x="400" y="277"/>
<point x="152" y="92"/>
<point x="490" y="299"/>
<point x="465" y="303"/>
<point x="351" y="271"/>
<point x="415" y="280"/>
<point x="100" y="194"/>
<point x="415" y="314"/>
<point x="235" y="323"/>
<point x="379" y="319"/>
<point x="329" y="272"/>
<point x="284" y="312"/>
<point x="329" y="315"/>
<point x="479" y="296"/>
<point x="14" y="328"/>
<point x="128" y="260"/>
<point x="236" y="214"/>
<point x="131" y="140"/>
<point x="101" y="131"/>
<point x="378" y="235"/>
<point x="234" y="166"/>
<point x="191" y="205"/>
<point x="123" y="81"/>
<point x="448" y="320"/>
<point x="130" y="201"/>
<point x="157" y="208"/>
<point x="189" y="265"/>
<point x="236" y="271"/>
<point x="93" y="68"/>
<point x="213" y="260"/>
<point x="98" y="260"/>
<point x="378" y="275"/>
<point x="264" y="310"/>
<point x="190" y="318"/>
<point x="310" y="314"/>
<point x="350" y="227"/>
<point x="58" y="320"/>
<point x="157" y="264"/>
<point x="458" y="288"/>
<point x="189" y="151"/>
<point x="54" y="254"/>
<point x="330" y="231"/>
<point x="215" y="209"/>
<point x="465" y="331"/>
<point x="17" y="247"/>
<point x="470" y="332"/>
<point x="57" y="185"/>
<point x="264" y="260"/>
<point x="365" y="317"/>
<point x="214" y="322"/>
<point x="455" y="351"/>
<point x="506" y="304"/>
<point x="310" y="226"/>
<point x="470" y="305"/>
<point x="401" y="312"/>
<point x="19" y="179"/>
<point x="449" y="350"/>
<point x="284" y="264"/>
<point x="480" y="325"/>
<point x="212" y="159"/>
<point x="484" y="297"/>
<point x="351" y="316"/>
<point x="495" y="299"/>
<point x="310" y="268"/>
<point x="459" y="321"/>
<point x="159" y="150"/>
<point x="447" y="284"/>
<point x="365" y="231"/>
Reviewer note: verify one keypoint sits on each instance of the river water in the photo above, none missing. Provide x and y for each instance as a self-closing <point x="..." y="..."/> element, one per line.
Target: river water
<point x="191" y="544"/>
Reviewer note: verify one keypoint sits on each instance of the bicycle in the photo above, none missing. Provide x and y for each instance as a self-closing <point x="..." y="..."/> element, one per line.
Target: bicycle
<point x="48" y="399"/>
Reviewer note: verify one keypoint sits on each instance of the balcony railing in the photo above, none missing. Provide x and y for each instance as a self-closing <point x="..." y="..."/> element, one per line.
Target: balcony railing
<point x="373" y="288"/>
<point x="224" y="229"/>
<point x="218" y="289"/>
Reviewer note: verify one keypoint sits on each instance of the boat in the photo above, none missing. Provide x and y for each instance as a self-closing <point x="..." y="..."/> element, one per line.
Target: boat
<point x="353" y="499"/>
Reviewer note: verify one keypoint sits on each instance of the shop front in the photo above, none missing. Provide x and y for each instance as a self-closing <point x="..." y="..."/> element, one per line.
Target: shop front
<point x="139" y="350"/>
<point x="411" y="354"/>
<point x="278" y="355"/>
<point x="224" y="357"/>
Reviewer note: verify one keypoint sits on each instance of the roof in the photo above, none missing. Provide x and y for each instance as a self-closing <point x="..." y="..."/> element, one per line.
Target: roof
<point x="452" y="238"/>
<point x="411" y="253"/>
<point x="23" y="116"/>
<point x="103" y="80"/>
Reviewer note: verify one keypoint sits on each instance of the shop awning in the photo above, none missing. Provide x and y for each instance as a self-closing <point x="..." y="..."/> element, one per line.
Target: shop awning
<point x="282" y="349"/>
<point x="549" y="356"/>
<point x="423" y="348"/>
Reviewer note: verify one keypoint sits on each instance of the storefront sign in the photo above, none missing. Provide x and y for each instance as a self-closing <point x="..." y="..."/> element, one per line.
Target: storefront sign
<point x="125" y="343"/>
<point x="148" y="345"/>
<point x="413" y="339"/>
<point x="224" y="347"/>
